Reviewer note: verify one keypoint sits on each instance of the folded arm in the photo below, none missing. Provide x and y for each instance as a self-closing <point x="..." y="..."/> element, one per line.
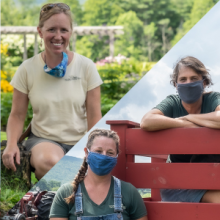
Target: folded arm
<point x="155" y="120"/>
<point x="209" y="120"/>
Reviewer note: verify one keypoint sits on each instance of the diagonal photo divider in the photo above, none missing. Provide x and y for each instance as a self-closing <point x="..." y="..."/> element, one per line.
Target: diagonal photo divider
<point x="202" y="42"/>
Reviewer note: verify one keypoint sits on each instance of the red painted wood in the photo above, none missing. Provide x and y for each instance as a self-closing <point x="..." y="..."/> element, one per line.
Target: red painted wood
<point x="174" y="176"/>
<point x="130" y="158"/>
<point x="119" y="170"/>
<point x="158" y="159"/>
<point x="173" y="141"/>
<point x="129" y="124"/>
<point x="182" y="211"/>
<point x="157" y="174"/>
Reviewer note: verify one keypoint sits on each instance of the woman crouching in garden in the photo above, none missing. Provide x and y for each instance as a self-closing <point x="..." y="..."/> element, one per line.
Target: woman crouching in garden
<point x="63" y="88"/>
<point x="94" y="191"/>
<point x="192" y="107"/>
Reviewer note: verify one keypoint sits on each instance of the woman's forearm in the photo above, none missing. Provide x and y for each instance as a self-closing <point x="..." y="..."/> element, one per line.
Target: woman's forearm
<point x="209" y="120"/>
<point x="14" y="129"/>
<point x="155" y="122"/>
<point x="17" y="117"/>
<point x="93" y="107"/>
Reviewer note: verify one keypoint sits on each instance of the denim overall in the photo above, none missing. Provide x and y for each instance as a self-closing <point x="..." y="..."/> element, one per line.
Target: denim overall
<point x="117" y="205"/>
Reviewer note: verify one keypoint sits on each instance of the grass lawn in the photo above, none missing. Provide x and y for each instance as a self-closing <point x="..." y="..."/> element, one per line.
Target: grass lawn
<point x="3" y="136"/>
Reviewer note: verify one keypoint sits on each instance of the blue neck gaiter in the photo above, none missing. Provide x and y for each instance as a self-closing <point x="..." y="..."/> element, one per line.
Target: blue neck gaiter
<point x="101" y="164"/>
<point x="60" y="70"/>
<point x="190" y="92"/>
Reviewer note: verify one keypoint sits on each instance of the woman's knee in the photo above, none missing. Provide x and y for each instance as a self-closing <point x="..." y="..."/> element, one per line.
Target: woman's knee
<point x="45" y="155"/>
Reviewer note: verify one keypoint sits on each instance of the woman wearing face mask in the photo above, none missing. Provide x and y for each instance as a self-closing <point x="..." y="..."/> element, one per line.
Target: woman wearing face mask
<point x="64" y="90"/>
<point x="191" y="108"/>
<point x="94" y="193"/>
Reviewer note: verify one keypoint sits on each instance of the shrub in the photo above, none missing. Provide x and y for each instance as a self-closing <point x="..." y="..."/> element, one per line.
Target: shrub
<point x="119" y="76"/>
<point x="6" y="103"/>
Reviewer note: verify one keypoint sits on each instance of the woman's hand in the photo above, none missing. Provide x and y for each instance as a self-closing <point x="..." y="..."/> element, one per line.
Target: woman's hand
<point x="155" y="120"/>
<point x="93" y="107"/>
<point x="186" y="123"/>
<point x="15" y="128"/>
<point x="209" y="120"/>
<point x="8" y="157"/>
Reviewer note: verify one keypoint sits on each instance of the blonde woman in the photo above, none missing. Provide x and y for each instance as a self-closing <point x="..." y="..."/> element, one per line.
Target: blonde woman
<point x="95" y="193"/>
<point x="64" y="90"/>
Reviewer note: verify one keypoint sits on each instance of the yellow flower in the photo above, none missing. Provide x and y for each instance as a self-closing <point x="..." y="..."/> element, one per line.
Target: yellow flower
<point x="5" y="86"/>
<point x="3" y="74"/>
<point x="4" y="49"/>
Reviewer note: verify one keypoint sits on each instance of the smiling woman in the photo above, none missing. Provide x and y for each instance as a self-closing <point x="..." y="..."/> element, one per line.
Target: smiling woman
<point x="64" y="90"/>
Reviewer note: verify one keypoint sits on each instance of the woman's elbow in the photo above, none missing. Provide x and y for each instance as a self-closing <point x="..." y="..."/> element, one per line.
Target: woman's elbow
<point x="146" y="125"/>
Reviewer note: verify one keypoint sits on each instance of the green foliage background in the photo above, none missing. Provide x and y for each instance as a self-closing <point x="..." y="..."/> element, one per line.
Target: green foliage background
<point x="151" y="28"/>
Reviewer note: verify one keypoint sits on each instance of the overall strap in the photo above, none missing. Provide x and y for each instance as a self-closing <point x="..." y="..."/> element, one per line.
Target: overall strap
<point x="117" y="195"/>
<point x="78" y="201"/>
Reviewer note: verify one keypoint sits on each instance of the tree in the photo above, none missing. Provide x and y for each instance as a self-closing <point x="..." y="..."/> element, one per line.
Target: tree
<point x="129" y="43"/>
<point x="75" y="8"/>
<point x="165" y="33"/>
<point x="9" y="13"/>
<point x="150" y="41"/>
<point x="199" y="9"/>
<point x="101" y="12"/>
<point x="93" y="46"/>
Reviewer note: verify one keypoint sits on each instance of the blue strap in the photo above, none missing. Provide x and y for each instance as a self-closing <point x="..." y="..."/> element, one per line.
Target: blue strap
<point x="78" y="201"/>
<point x="117" y="196"/>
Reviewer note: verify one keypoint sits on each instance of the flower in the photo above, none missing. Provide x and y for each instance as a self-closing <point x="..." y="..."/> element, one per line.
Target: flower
<point x="5" y="86"/>
<point x="118" y="59"/>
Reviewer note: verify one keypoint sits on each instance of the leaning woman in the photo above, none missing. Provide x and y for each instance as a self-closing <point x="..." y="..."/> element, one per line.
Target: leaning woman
<point x="63" y="88"/>
<point x="95" y="193"/>
<point x="191" y="108"/>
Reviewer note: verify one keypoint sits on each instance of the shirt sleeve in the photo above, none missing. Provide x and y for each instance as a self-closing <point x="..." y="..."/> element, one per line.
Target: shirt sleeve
<point x="137" y="206"/>
<point x="59" y="208"/>
<point x="215" y="101"/>
<point x="93" y="78"/>
<point x="19" y="81"/>
<point x="166" y="106"/>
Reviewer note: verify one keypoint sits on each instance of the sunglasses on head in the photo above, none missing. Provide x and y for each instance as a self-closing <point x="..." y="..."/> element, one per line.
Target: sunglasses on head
<point x="47" y="7"/>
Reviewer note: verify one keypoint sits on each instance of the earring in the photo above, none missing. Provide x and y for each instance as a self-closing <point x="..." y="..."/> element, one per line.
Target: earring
<point x="41" y="43"/>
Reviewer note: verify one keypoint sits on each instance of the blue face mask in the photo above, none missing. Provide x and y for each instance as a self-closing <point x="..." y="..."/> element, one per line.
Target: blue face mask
<point x="190" y="92"/>
<point x="60" y="70"/>
<point x="101" y="164"/>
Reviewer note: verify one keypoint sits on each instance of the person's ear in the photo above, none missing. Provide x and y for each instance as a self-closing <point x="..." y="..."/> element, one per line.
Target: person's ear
<point x="204" y="83"/>
<point x="39" y="32"/>
<point x="86" y="151"/>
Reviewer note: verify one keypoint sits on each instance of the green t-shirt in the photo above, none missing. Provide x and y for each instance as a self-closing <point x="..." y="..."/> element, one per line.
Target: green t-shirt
<point x="133" y="205"/>
<point x="172" y="107"/>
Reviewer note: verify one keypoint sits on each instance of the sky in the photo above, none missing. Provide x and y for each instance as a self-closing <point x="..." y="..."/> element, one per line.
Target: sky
<point x="202" y="42"/>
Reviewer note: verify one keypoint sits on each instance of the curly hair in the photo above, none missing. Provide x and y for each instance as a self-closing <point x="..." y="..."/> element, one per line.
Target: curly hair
<point x="82" y="171"/>
<point x="194" y="64"/>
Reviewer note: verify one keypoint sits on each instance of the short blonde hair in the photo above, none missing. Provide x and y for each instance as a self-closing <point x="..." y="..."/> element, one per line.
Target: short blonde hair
<point x="45" y="15"/>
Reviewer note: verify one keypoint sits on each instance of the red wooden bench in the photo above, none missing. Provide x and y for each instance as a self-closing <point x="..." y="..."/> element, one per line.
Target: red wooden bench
<point x="160" y="175"/>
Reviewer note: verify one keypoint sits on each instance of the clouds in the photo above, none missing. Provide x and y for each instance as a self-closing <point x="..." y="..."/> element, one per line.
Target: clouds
<point x="202" y="41"/>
